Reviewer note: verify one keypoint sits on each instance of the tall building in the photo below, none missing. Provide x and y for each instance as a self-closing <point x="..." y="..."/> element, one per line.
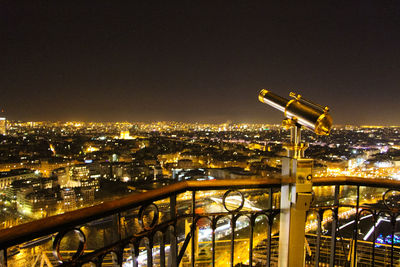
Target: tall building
<point x="3" y="125"/>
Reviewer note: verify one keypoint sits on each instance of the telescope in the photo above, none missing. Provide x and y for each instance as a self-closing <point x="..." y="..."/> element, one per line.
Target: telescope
<point x="296" y="196"/>
<point x="300" y="111"/>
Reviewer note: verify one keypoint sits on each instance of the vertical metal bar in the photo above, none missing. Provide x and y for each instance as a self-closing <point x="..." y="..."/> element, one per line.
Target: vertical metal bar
<point x="124" y="227"/>
<point x="3" y="257"/>
<point x="113" y="233"/>
<point x="173" y="250"/>
<point x="214" y="226"/>
<point x="318" y="244"/>
<point x="162" y="251"/>
<point x="193" y="226"/>
<point x="355" y="233"/>
<point x="172" y="204"/>
<point x="150" y="254"/>
<point x="270" y="198"/>
<point x="119" y="226"/>
<point x="393" y="221"/>
<point x="233" y="225"/>
<point x="252" y="221"/>
<point x="334" y="227"/>
<point x="373" y="242"/>
<point x="135" y="255"/>
<point x="269" y="240"/>
<point x="270" y="222"/>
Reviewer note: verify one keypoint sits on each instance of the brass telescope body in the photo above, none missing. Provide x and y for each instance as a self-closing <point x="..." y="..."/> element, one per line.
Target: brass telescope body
<point x="300" y="111"/>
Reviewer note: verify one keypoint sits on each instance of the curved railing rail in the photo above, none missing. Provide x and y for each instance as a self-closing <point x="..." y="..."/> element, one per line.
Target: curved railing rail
<point x="194" y="210"/>
<point x="347" y="180"/>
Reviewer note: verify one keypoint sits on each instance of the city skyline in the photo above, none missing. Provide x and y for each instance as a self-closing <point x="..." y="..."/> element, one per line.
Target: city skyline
<point x="126" y="123"/>
<point x="198" y="62"/>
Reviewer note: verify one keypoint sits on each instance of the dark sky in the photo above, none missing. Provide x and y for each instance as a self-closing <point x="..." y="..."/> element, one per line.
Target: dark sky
<point x="200" y="61"/>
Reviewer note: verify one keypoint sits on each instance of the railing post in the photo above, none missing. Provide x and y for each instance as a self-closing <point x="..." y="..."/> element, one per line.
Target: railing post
<point x="319" y="231"/>
<point x="162" y="251"/>
<point x="233" y="225"/>
<point x="252" y="222"/>
<point x="115" y="231"/>
<point x="150" y="253"/>
<point x="174" y="245"/>
<point x="375" y="216"/>
<point x="270" y="222"/>
<point x="193" y="229"/>
<point x="393" y="223"/>
<point x="135" y="254"/>
<point x="214" y="226"/>
<point x="3" y="257"/>
<point x="269" y="241"/>
<point x="334" y="226"/>
<point x="119" y="226"/>
<point x="355" y="233"/>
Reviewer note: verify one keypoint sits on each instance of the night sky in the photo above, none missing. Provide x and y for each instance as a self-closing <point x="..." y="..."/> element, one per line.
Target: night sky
<point x="198" y="61"/>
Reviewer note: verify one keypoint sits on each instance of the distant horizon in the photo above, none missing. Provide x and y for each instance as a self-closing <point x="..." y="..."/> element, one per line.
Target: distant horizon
<point x="185" y="122"/>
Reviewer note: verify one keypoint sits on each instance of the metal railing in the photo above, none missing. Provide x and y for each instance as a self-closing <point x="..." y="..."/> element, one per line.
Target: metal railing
<point x="215" y="223"/>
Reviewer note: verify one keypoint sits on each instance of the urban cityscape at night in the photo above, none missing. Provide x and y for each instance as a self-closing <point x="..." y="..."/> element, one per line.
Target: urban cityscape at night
<point x="223" y="133"/>
<point x="48" y="168"/>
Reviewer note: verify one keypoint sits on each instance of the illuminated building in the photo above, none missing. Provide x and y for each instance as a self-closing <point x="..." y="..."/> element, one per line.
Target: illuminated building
<point x="3" y="126"/>
<point x="69" y="197"/>
<point x="6" y="178"/>
<point x="86" y="194"/>
<point x="35" y="197"/>
<point x="125" y="135"/>
<point x="77" y="176"/>
<point x="38" y="204"/>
